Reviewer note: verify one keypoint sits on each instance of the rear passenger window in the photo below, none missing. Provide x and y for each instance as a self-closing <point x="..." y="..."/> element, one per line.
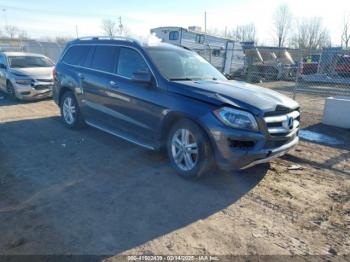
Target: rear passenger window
<point x="130" y="61"/>
<point x="76" y="55"/>
<point x="104" y="58"/>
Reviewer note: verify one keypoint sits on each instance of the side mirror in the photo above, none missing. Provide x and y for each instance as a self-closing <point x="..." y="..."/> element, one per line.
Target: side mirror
<point x="142" y="77"/>
<point x="3" y="66"/>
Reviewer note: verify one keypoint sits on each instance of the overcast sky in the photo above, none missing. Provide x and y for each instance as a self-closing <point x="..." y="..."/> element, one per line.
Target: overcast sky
<point x="42" y="18"/>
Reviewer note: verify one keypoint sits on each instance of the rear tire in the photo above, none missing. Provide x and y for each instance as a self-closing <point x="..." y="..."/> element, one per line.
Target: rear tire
<point x="70" y="111"/>
<point x="189" y="150"/>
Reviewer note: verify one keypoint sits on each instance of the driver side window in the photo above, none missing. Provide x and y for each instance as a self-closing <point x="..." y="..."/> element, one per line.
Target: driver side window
<point x="129" y="62"/>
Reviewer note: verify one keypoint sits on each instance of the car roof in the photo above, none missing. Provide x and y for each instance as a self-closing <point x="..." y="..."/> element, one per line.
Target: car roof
<point x="122" y="41"/>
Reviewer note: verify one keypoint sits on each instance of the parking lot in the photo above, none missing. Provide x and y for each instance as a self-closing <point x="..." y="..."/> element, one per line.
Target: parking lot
<point x="87" y="192"/>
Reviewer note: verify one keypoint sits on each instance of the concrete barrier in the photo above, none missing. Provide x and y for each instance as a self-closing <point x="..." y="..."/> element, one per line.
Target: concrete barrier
<point x="337" y="111"/>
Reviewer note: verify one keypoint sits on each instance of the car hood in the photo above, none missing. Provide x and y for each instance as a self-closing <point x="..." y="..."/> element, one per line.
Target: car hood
<point x="255" y="99"/>
<point x="34" y="72"/>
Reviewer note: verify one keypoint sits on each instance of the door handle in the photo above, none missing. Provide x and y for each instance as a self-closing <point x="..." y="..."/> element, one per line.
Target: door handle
<point x="113" y="84"/>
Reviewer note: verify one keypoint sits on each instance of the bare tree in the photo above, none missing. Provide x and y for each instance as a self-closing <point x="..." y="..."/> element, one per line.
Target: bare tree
<point x="112" y="29"/>
<point x="244" y="33"/>
<point x="345" y="38"/>
<point x="311" y="34"/>
<point x="11" y="31"/>
<point x="62" y="40"/>
<point x="109" y="28"/>
<point x="22" y="35"/>
<point x="282" y="20"/>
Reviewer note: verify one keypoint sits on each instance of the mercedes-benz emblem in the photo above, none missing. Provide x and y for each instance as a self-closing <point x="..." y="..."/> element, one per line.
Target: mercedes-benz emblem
<point x="288" y="123"/>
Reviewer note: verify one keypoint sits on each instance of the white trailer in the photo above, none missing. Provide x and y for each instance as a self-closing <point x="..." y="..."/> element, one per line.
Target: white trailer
<point x="223" y="53"/>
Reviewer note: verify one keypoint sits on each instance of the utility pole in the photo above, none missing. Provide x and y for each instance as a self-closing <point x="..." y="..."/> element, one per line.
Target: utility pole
<point x="205" y="22"/>
<point x="5" y="16"/>
<point x="76" y="31"/>
<point x="120" y="26"/>
<point x="205" y="27"/>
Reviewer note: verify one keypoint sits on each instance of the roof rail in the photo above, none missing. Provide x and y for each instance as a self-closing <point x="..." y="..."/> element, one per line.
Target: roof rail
<point x="105" y="38"/>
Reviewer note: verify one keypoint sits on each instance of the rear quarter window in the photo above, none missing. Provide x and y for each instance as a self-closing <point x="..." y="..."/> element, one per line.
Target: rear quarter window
<point x="76" y="55"/>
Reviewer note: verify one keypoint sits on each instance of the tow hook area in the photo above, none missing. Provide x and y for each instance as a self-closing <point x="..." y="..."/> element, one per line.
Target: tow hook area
<point x="243" y="145"/>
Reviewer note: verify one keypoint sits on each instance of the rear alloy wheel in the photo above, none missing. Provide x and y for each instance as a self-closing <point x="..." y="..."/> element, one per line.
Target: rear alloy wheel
<point x="189" y="150"/>
<point x="70" y="112"/>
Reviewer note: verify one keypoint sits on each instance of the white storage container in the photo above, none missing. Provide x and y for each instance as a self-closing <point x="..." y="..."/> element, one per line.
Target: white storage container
<point x="337" y="111"/>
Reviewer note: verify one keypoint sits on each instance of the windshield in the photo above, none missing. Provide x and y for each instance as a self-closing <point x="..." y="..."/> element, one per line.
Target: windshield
<point x="29" y="61"/>
<point x="180" y="64"/>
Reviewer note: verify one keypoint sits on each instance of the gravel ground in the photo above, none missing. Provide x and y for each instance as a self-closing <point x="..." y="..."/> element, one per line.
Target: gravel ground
<point x="86" y="192"/>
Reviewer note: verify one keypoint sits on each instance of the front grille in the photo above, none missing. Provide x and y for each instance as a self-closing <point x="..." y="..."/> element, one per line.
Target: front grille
<point x="45" y="80"/>
<point x="42" y="87"/>
<point x="278" y="143"/>
<point x="282" y="124"/>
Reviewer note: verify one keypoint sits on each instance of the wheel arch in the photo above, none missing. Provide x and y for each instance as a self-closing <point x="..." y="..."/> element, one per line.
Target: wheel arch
<point x="171" y="118"/>
<point x="62" y="91"/>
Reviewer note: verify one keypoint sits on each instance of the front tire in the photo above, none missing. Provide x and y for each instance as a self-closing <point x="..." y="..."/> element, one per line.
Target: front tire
<point x="70" y="111"/>
<point x="11" y="91"/>
<point x="189" y="150"/>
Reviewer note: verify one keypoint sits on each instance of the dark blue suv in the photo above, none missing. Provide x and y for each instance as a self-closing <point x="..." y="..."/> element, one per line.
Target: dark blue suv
<point x="158" y="96"/>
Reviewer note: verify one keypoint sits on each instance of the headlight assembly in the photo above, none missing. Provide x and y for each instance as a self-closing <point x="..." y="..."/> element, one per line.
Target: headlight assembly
<point x="24" y="81"/>
<point x="236" y="118"/>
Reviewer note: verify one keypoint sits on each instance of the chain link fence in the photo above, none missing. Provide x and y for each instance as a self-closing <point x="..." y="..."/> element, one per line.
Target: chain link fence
<point x="325" y="72"/>
<point x="50" y="49"/>
<point x="308" y="76"/>
<point x="321" y="72"/>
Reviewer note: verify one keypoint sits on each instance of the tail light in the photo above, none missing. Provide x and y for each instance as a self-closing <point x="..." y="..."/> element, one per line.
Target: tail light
<point x="54" y="74"/>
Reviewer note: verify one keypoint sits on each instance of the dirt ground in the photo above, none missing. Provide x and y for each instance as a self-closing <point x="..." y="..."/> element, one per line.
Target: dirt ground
<point x="87" y="192"/>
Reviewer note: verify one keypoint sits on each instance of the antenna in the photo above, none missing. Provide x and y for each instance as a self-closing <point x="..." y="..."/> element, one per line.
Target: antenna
<point x="76" y="31"/>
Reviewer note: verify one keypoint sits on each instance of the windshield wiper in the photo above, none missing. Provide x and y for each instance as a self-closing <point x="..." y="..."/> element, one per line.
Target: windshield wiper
<point x="181" y="79"/>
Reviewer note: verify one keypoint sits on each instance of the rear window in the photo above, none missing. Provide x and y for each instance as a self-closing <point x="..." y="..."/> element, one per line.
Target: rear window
<point x="76" y="55"/>
<point x="104" y="58"/>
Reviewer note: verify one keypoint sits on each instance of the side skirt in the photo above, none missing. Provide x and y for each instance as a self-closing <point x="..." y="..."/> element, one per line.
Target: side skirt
<point x="129" y="139"/>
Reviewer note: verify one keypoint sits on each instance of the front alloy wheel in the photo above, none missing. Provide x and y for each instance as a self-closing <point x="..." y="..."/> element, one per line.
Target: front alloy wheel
<point x="184" y="149"/>
<point x="189" y="150"/>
